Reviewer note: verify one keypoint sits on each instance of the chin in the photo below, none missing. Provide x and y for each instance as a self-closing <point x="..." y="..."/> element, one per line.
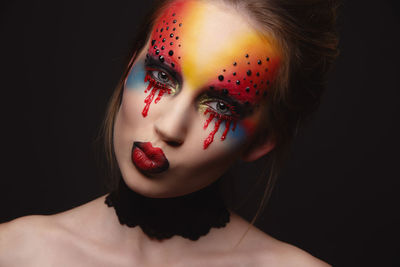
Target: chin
<point x="153" y="187"/>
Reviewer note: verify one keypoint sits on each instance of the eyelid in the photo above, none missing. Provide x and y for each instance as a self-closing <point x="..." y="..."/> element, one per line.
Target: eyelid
<point x="171" y="83"/>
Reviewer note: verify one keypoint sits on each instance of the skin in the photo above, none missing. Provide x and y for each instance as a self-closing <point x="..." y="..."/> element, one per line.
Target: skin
<point x="90" y="235"/>
<point x="186" y="114"/>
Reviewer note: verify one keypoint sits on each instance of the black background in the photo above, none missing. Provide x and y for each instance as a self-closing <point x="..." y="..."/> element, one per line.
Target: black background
<point x="338" y="195"/>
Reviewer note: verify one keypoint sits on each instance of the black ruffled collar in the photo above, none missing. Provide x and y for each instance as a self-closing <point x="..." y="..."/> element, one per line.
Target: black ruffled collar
<point x="190" y="216"/>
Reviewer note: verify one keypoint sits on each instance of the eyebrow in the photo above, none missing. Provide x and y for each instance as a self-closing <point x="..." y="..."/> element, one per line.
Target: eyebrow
<point x="155" y="62"/>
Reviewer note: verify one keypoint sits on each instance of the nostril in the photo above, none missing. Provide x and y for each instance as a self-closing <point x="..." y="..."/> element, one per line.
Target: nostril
<point x="174" y="143"/>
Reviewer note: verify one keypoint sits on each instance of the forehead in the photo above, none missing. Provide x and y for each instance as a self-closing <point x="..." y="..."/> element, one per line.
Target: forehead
<point x="215" y="47"/>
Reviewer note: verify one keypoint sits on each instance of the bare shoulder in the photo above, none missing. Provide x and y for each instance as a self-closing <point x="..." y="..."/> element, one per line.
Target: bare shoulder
<point x="269" y="251"/>
<point x="288" y="255"/>
<point x="21" y="238"/>
<point x="70" y="238"/>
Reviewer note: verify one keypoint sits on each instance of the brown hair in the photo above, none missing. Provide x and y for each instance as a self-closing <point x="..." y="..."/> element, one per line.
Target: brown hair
<point x="305" y="30"/>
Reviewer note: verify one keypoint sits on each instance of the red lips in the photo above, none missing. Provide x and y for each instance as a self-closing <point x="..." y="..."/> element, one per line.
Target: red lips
<point x="148" y="159"/>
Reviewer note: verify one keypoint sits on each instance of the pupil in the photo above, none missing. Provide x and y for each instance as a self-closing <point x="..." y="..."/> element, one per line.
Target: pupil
<point x="163" y="76"/>
<point x="221" y="106"/>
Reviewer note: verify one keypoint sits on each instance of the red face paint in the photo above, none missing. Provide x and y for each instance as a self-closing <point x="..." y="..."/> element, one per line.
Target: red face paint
<point x="166" y="37"/>
<point x="165" y="45"/>
<point x="247" y="79"/>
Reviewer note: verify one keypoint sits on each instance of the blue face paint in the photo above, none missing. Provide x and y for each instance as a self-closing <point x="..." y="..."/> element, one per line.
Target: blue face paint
<point x="136" y="76"/>
<point x="239" y="134"/>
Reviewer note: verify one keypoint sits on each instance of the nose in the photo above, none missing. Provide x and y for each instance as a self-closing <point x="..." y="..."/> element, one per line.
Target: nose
<point x="172" y="124"/>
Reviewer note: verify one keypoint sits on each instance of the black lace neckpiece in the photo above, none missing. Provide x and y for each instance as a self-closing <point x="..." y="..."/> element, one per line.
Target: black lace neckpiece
<point x="190" y="216"/>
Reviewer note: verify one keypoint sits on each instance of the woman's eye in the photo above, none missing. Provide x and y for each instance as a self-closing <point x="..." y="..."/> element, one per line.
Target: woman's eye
<point x="164" y="78"/>
<point x="221" y="107"/>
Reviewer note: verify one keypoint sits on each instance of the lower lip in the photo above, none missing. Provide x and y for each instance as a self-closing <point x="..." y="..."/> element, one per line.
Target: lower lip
<point x="148" y="159"/>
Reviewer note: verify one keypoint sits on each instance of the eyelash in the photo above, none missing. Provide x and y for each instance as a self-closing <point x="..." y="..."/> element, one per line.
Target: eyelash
<point x="231" y="109"/>
<point x="157" y="83"/>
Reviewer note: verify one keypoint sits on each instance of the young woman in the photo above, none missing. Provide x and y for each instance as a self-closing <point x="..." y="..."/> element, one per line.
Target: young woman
<point x="208" y="83"/>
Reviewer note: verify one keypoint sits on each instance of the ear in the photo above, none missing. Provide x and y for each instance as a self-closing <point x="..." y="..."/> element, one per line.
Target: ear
<point x="257" y="151"/>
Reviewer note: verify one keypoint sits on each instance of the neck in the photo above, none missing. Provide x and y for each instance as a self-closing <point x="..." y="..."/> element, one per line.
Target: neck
<point x="190" y="216"/>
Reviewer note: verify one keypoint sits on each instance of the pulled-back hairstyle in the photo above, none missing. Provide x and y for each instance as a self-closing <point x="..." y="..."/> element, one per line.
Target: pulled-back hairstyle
<point x="306" y="33"/>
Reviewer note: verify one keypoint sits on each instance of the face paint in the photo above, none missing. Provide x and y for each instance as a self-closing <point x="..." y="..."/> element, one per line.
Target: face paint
<point x="239" y="64"/>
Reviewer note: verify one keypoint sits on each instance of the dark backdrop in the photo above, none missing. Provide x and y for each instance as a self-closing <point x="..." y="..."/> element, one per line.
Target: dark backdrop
<point x="338" y="196"/>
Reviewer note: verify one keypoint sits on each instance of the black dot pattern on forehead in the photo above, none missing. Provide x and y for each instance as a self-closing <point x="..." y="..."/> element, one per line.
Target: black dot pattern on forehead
<point x="247" y="74"/>
<point x="225" y="91"/>
<point x="162" y="32"/>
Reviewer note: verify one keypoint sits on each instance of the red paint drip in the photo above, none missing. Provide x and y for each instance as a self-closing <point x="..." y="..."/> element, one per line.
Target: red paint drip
<point x="234" y="126"/>
<point x="212" y="115"/>
<point x="227" y="126"/>
<point x="210" y="137"/>
<point x="148" y="101"/>
<point x="151" y="84"/>
<point x="160" y="94"/>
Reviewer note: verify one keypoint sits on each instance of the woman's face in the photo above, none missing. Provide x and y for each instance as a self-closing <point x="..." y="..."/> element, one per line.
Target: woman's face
<point x="193" y="99"/>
